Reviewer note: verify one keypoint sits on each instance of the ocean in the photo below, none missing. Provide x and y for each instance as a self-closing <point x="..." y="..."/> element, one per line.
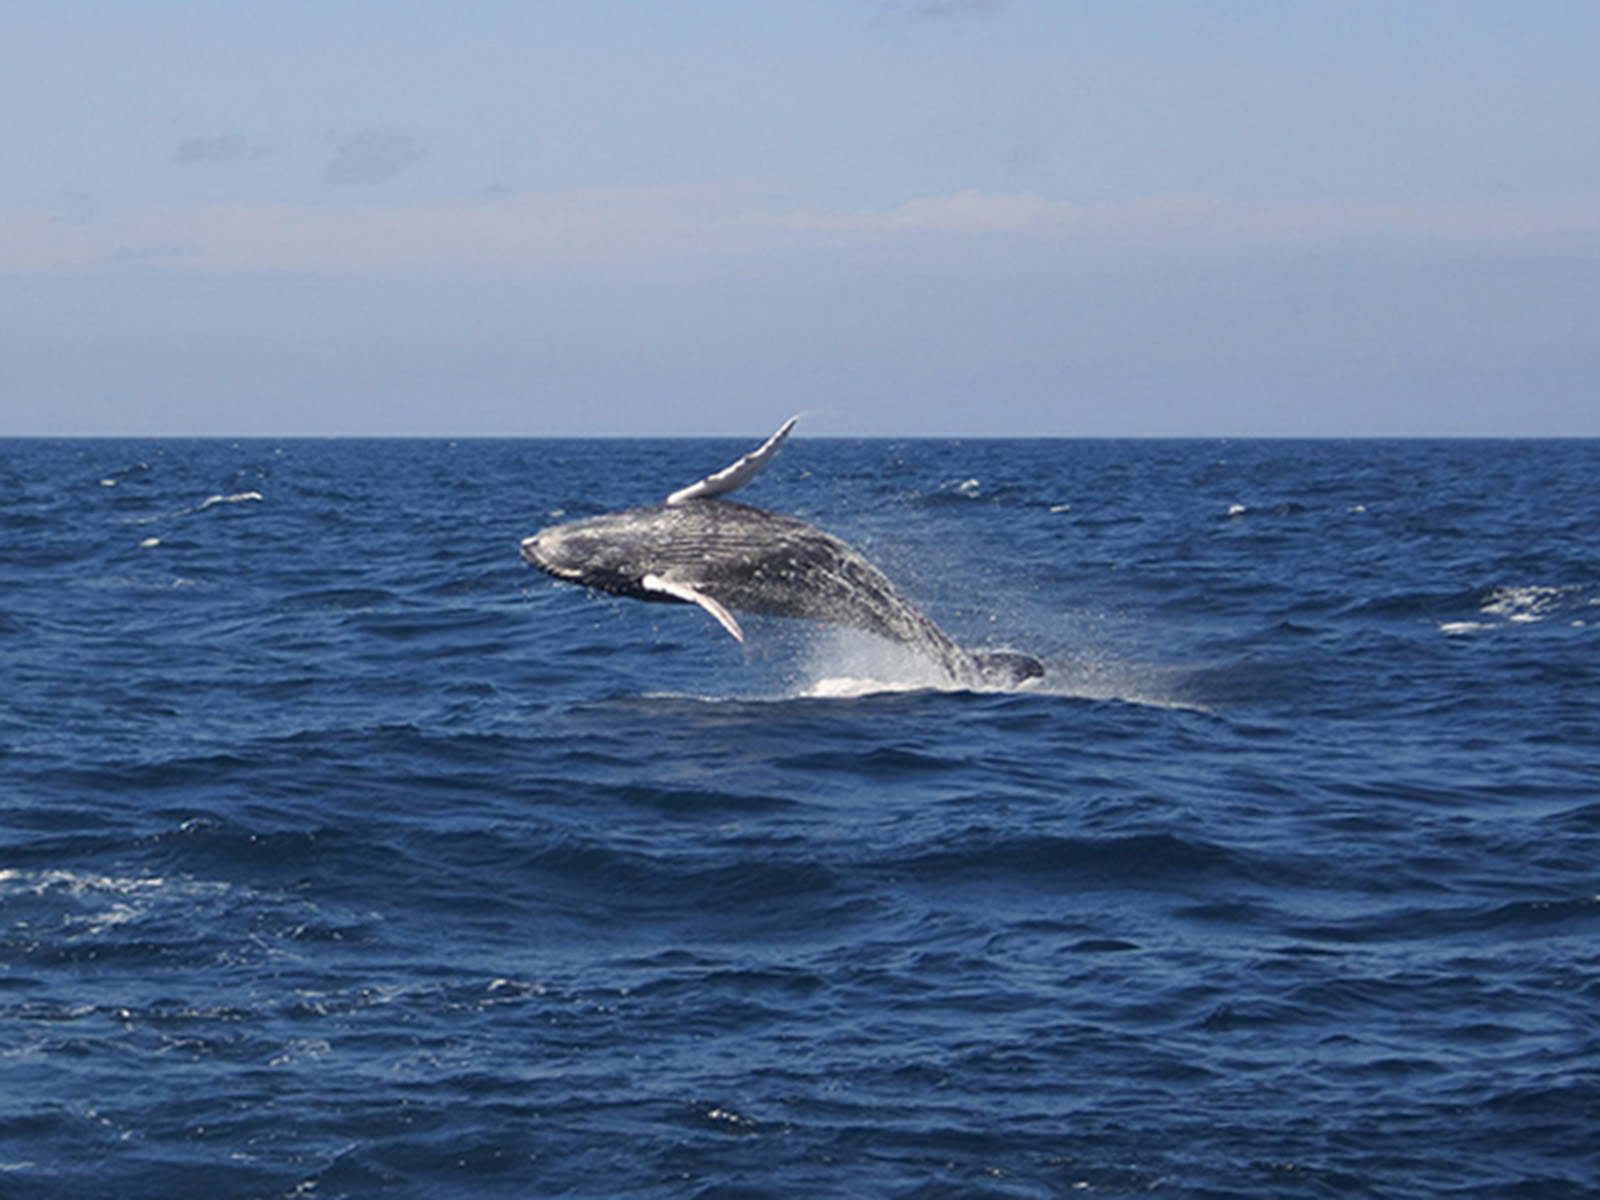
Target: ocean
<point x="341" y="854"/>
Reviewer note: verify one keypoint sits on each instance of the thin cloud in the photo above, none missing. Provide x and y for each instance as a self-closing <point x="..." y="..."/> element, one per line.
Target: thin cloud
<point x="949" y="10"/>
<point x="211" y="151"/>
<point x="699" y="232"/>
<point x="939" y="10"/>
<point x="372" y="156"/>
<point x="967" y="211"/>
<point x="1538" y="227"/>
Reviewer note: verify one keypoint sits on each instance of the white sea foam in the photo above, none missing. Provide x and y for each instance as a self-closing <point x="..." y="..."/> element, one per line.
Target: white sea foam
<point x="95" y="903"/>
<point x="843" y="664"/>
<point x="1523" y="605"/>
<point x="849" y="687"/>
<point x="208" y="503"/>
<point x="234" y="498"/>
<point x="75" y="883"/>
<point x="846" y="663"/>
<point x="1527" y="604"/>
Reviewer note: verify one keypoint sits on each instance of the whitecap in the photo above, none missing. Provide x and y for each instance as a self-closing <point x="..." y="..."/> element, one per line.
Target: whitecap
<point x="235" y="498"/>
<point x="75" y="883"/>
<point x="1522" y="605"/>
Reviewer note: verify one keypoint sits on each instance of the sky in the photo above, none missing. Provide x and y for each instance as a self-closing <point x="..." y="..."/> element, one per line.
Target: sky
<point x="898" y="217"/>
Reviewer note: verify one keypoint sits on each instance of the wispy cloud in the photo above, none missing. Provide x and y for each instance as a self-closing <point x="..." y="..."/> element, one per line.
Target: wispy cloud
<point x="904" y="17"/>
<point x="707" y="230"/>
<point x="1552" y="224"/>
<point x="943" y="10"/>
<point x="372" y="156"/>
<point x="966" y="211"/>
<point x="221" y="149"/>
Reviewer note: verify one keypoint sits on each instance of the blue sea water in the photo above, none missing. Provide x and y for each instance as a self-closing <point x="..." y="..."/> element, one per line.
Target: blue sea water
<point x="341" y="854"/>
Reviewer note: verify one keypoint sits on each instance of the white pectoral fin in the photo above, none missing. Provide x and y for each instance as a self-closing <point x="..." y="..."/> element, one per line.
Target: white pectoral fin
<point x="732" y="478"/>
<point x="693" y="595"/>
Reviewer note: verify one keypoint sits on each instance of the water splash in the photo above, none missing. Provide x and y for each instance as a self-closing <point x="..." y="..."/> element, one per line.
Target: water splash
<point x="844" y="664"/>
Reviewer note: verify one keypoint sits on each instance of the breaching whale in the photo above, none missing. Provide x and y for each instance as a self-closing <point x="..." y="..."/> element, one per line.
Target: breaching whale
<point x="697" y="548"/>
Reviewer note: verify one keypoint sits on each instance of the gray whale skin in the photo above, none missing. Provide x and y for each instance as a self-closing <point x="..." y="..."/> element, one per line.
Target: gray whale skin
<point x="696" y="548"/>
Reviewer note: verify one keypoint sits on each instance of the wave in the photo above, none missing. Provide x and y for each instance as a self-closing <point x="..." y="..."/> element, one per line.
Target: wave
<point x="234" y="498"/>
<point x="1511" y="605"/>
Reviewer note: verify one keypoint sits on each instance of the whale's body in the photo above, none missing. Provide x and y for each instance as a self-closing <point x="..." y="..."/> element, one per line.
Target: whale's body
<point x="696" y="548"/>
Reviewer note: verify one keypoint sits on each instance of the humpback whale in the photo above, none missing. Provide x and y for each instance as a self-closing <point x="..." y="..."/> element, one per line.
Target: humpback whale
<point x="697" y="548"/>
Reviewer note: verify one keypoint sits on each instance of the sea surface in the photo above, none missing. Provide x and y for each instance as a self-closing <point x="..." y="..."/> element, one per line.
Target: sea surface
<point x="341" y="854"/>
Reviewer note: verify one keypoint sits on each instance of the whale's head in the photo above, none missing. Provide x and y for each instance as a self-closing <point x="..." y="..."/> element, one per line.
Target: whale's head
<point x="611" y="553"/>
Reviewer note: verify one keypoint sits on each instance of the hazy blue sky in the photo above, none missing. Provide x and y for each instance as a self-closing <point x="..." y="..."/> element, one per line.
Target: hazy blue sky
<point x="900" y="216"/>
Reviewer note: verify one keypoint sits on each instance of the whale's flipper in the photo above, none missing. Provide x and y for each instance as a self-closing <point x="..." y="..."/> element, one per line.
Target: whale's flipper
<point x="732" y="478"/>
<point x="693" y="595"/>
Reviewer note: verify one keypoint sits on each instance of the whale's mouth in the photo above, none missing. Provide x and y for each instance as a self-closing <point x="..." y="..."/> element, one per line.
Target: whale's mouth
<point x="533" y="551"/>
